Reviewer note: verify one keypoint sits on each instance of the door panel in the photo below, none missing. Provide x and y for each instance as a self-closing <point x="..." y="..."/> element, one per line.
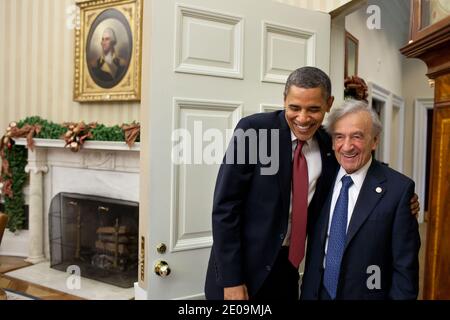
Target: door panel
<point x="209" y="43"/>
<point x="206" y="64"/>
<point x="204" y="121"/>
<point x="284" y="49"/>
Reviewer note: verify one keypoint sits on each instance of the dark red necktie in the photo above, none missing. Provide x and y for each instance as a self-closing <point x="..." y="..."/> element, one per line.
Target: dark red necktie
<point x="299" y="213"/>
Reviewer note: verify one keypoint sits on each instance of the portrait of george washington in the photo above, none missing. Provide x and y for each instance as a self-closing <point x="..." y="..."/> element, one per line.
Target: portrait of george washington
<point x="108" y="48"/>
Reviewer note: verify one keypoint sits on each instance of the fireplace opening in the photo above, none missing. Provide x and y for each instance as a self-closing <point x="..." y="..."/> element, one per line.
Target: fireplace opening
<point x="96" y="234"/>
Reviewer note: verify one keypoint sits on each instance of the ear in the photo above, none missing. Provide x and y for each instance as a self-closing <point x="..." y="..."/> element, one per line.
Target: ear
<point x="376" y="140"/>
<point x="285" y="94"/>
<point x="329" y="103"/>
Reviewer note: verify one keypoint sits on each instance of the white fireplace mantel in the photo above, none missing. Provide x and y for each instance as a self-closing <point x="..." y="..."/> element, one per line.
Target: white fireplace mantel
<point x="88" y="145"/>
<point x="102" y="168"/>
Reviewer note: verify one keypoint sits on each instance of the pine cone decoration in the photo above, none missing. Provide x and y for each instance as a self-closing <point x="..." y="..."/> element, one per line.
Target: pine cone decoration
<point x="355" y="88"/>
<point x="76" y="134"/>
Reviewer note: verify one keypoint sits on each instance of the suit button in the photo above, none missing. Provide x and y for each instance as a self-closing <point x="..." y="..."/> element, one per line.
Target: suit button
<point x="268" y="268"/>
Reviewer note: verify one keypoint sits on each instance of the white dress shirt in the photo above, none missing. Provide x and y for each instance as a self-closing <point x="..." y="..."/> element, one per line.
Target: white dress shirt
<point x="353" y="193"/>
<point x="311" y="151"/>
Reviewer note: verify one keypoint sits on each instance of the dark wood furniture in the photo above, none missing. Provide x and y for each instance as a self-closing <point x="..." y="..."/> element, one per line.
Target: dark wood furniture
<point x="430" y="42"/>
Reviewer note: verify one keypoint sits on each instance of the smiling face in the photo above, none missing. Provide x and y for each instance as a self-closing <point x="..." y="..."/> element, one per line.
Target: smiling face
<point x="353" y="140"/>
<point x="305" y="110"/>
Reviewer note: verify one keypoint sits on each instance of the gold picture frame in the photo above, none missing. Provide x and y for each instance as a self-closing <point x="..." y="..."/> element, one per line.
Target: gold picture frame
<point x="108" y="51"/>
<point x="351" y="55"/>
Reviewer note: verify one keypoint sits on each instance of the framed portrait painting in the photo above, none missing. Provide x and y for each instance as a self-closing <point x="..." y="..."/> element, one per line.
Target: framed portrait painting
<point x="351" y="55"/>
<point x="108" y="51"/>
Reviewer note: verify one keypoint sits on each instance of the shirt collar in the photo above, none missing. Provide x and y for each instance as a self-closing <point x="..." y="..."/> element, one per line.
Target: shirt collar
<point x="294" y="139"/>
<point x="357" y="176"/>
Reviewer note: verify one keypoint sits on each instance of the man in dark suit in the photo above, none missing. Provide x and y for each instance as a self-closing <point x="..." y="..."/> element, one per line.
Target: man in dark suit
<point x="252" y="206"/>
<point x="365" y="243"/>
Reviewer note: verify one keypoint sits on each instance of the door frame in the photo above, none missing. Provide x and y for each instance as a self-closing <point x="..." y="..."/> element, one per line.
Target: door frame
<point x="378" y="93"/>
<point x="390" y="101"/>
<point x="399" y="103"/>
<point x="421" y="106"/>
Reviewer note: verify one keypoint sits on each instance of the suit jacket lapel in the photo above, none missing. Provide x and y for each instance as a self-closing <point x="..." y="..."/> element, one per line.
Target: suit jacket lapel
<point x="285" y="167"/>
<point x="324" y="142"/>
<point x="326" y="180"/>
<point x="330" y="167"/>
<point x="367" y="199"/>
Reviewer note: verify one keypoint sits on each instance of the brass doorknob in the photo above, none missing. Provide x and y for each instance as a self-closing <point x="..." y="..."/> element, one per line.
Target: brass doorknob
<point x="162" y="268"/>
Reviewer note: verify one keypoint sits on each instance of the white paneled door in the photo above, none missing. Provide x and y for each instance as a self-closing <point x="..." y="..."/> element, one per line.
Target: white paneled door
<point x="206" y="64"/>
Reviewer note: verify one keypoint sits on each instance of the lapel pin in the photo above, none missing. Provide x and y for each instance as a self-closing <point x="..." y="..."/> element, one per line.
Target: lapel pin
<point x="378" y="190"/>
<point x="328" y="154"/>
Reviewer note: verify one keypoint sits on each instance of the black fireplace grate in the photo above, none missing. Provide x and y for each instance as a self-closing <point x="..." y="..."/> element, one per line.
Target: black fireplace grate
<point x="98" y="235"/>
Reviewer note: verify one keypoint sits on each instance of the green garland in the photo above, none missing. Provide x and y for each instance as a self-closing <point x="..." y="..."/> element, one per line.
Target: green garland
<point x="14" y="207"/>
<point x="49" y="130"/>
<point x="17" y="158"/>
<point x="103" y="133"/>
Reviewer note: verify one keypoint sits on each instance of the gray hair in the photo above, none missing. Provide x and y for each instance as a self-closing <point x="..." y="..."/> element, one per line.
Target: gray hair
<point x="308" y="78"/>
<point x="352" y="106"/>
<point x="112" y="34"/>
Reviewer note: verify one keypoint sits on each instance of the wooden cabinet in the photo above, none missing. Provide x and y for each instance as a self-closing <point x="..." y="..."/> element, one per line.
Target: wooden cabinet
<point x="430" y="42"/>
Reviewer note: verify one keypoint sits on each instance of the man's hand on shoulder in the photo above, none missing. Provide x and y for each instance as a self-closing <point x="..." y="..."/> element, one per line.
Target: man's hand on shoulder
<point x="415" y="205"/>
<point x="236" y="293"/>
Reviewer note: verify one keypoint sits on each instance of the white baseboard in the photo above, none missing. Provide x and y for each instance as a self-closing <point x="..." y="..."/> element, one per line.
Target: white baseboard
<point x="139" y="293"/>
<point x="200" y="296"/>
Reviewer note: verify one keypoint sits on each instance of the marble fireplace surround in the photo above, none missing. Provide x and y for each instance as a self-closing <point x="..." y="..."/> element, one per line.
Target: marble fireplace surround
<point x="107" y="169"/>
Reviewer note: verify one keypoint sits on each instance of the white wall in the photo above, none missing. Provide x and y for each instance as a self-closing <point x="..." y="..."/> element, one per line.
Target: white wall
<point x="380" y="60"/>
<point x="37" y="65"/>
<point x="415" y="85"/>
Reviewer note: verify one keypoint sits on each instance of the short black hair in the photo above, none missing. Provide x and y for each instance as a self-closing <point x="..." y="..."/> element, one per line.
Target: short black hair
<point x="309" y="77"/>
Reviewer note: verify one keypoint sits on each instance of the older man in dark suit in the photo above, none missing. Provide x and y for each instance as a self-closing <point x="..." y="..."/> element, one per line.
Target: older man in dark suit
<point x="365" y="244"/>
